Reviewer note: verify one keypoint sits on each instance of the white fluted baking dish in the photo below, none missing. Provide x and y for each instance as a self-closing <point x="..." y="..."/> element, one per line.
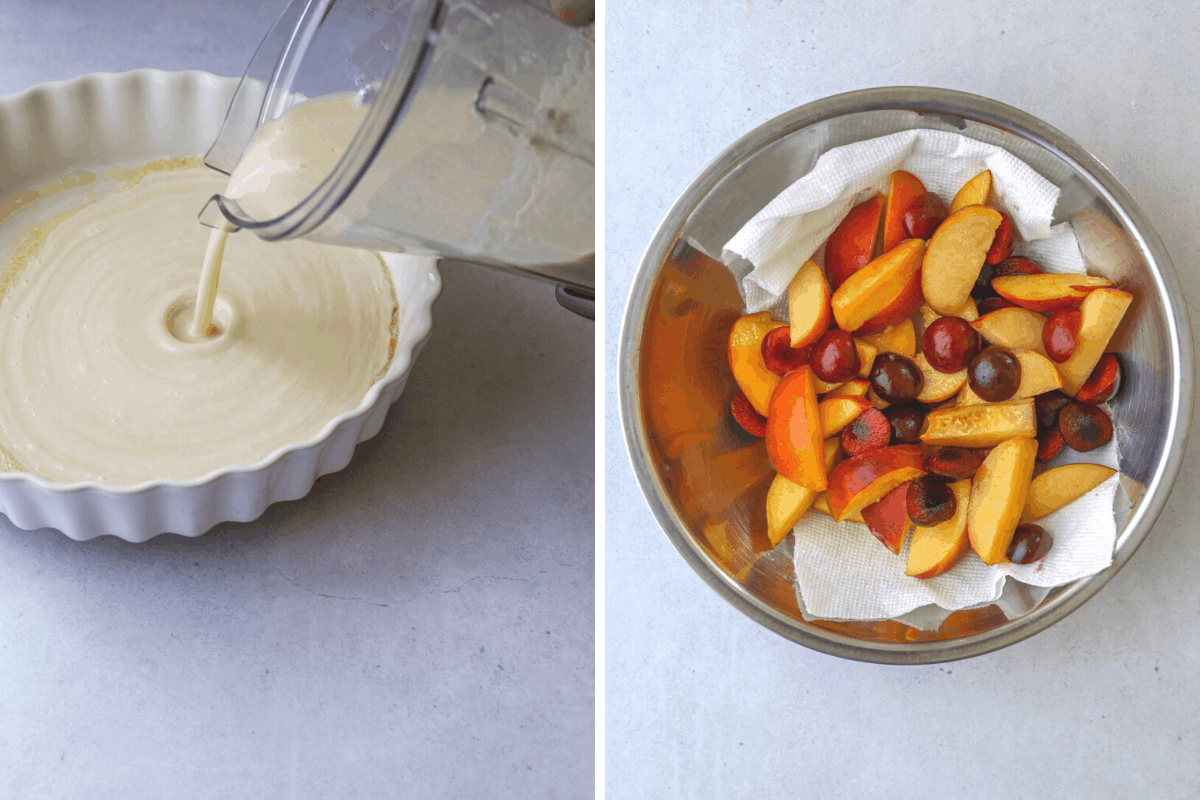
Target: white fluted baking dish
<point x="110" y="119"/>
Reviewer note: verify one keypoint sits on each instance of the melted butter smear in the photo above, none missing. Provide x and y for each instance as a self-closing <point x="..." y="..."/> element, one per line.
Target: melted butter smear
<point x="102" y="381"/>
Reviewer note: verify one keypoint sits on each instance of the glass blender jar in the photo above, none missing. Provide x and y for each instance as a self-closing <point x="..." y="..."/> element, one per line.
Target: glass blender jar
<point x="477" y="141"/>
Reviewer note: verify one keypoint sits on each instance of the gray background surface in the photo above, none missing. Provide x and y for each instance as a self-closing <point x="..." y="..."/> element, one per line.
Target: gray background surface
<point x="701" y="702"/>
<point x="421" y="625"/>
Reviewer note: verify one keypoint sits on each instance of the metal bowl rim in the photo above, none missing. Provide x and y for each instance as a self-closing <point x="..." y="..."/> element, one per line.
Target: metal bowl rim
<point x="1162" y="271"/>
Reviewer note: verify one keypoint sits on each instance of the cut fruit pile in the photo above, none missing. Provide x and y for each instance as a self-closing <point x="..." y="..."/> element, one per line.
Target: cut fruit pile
<point x="923" y="377"/>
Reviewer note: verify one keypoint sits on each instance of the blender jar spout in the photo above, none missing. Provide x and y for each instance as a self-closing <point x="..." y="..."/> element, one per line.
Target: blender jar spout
<point x="476" y="141"/>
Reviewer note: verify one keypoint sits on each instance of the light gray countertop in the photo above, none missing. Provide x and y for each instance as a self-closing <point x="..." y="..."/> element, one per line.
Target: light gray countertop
<point x="701" y="702"/>
<point x="421" y="625"/>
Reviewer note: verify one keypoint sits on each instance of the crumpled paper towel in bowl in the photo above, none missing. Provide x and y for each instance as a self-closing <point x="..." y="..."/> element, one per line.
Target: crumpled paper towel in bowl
<point x="767" y="251"/>
<point x="842" y="571"/>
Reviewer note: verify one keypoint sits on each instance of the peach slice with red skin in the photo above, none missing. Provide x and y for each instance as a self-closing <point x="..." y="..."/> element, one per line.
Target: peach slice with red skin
<point x="1049" y="291"/>
<point x="955" y="257"/>
<point x="852" y="245"/>
<point x="973" y="193"/>
<point x="1100" y="315"/>
<point x="838" y="412"/>
<point x="998" y="495"/>
<point x="808" y="304"/>
<point x="1013" y="328"/>
<point x="787" y="501"/>
<point x="1002" y="242"/>
<point x="881" y="290"/>
<point x="1017" y="265"/>
<point x="898" y="311"/>
<point x="937" y="548"/>
<point x="863" y="480"/>
<point x="1056" y="487"/>
<point x="794" y="433"/>
<point x="888" y="519"/>
<point x="1038" y="376"/>
<point x="746" y="360"/>
<point x="980" y="425"/>
<point x="903" y="189"/>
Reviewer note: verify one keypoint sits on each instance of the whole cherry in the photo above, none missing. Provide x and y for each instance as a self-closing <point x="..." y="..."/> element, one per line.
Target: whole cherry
<point x="949" y="344"/>
<point x="1060" y="334"/>
<point x="994" y="374"/>
<point x="778" y="354"/>
<point x="896" y="378"/>
<point x="834" y="357"/>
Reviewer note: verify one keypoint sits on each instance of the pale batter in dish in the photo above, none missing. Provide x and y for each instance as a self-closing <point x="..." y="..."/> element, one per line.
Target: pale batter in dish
<point x="102" y="379"/>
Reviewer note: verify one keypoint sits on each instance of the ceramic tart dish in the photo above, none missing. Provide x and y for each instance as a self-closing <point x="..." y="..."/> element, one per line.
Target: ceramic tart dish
<point x="102" y="120"/>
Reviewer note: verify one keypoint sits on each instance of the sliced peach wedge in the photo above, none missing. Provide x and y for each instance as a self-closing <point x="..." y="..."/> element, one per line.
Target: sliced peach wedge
<point x="938" y="386"/>
<point x="903" y="189"/>
<point x="787" y="501"/>
<point x="1049" y="291"/>
<point x="981" y="425"/>
<point x="901" y="338"/>
<point x="900" y="309"/>
<point x="1056" y="487"/>
<point x="1101" y="314"/>
<point x="973" y="193"/>
<point x="838" y="412"/>
<point x="858" y="482"/>
<point x="1038" y="376"/>
<point x="1014" y="328"/>
<point x="808" y="305"/>
<point x="746" y="359"/>
<point x="853" y="243"/>
<point x="955" y="257"/>
<point x="855" y="388"/>
<point x="866" y="356"/>
<point x="794" y="439"/>
<point x="888" y="519"/>
<point x="821" y="504"/>
<point x="884" y="285"/>
<point x="998" y="496"/>
<point x="937" y="548"/>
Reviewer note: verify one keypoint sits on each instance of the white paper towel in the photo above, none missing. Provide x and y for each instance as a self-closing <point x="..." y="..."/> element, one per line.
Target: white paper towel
<point x="842" y="571"/>
<point x="794" y="226"/>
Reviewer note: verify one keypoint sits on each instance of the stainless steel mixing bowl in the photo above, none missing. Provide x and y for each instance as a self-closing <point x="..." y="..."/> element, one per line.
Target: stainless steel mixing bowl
<point x="706" y="483"/>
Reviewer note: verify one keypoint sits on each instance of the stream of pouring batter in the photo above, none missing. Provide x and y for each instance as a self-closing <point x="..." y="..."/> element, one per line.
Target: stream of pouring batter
<point x="286" y="161"/>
